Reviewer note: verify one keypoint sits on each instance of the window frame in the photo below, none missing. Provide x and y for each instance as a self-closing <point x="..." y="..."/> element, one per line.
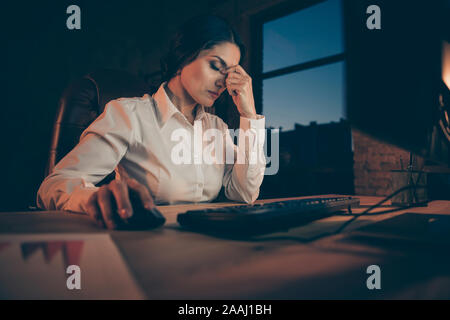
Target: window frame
<point x="257" y="22"/>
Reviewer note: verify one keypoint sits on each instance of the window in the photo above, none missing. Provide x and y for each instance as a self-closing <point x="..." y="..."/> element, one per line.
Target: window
<point x="303" y="66"/>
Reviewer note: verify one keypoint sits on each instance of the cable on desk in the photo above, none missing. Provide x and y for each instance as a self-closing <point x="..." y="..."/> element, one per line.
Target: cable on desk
<point x="366" y="212"/>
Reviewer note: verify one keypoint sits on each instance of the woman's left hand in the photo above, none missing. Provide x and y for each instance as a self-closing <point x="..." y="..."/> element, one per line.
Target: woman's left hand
<point x="239" y="86"/>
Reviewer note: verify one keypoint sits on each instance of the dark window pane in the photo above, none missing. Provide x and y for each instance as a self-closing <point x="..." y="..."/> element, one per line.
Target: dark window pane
<point x="305" y="35"/>
<point x="312" y="95"/>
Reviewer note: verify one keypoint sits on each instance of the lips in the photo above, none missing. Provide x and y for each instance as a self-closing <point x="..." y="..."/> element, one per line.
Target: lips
<point x="213" y="94"/>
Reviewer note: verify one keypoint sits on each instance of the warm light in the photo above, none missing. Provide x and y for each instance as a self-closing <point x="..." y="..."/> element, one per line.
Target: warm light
<point x="446" y="63"/>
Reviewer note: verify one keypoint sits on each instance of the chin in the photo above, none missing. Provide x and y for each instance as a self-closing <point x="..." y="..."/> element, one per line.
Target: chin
<point x="207" y="102"/>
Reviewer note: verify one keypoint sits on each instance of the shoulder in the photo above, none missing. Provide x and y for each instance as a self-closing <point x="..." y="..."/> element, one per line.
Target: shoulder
<point x="131" y="107"/>
<point x="127" y="116"/>
<point x="132" y="104"/>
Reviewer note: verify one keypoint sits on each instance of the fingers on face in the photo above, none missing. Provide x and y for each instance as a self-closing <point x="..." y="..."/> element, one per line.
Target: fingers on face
<point x="236" y="81"/>
<point x="237" y="69"/>
<point x="235" y="85"/>
<point x="234" y="77"/>
<point x="235" y="90"/>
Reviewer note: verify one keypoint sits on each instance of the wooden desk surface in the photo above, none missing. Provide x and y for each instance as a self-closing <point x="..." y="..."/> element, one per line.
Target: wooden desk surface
<point x="172" y="263"/>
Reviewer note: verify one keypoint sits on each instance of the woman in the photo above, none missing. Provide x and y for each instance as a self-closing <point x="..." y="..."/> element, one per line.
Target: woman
<point x="139" y="137"/>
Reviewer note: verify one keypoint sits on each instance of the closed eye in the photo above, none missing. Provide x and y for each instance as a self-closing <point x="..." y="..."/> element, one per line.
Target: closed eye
<point x="214" y="67"/>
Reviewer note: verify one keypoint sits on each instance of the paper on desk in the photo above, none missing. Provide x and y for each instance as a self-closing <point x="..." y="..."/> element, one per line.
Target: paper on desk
<point x="35" y="267"/>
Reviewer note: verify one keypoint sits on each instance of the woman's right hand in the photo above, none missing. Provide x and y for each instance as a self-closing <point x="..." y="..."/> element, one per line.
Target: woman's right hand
<point x="101" y="206"/>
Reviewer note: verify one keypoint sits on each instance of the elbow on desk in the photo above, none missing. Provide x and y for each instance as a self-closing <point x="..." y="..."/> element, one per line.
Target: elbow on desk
<point x="62" y="194"/>
<point x="243" y="191"/>
<point x="243" y="196"/>
<point x="44" y="198"/>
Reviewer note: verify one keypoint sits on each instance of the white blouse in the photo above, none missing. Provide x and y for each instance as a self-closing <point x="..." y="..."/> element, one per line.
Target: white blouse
<point x="144" y="138"/>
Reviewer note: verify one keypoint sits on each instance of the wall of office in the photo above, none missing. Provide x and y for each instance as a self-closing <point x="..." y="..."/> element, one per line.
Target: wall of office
<point x="374" y="162"/>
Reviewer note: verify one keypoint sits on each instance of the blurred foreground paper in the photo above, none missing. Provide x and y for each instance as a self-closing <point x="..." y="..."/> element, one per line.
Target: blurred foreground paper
<point x="34" y="267"/>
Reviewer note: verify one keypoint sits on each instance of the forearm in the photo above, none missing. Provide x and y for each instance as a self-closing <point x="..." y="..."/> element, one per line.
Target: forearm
<point x="243" y="180"/>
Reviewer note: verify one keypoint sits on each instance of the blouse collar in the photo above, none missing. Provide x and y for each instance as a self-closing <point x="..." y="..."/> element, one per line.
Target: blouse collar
<point x="167" y="109"/>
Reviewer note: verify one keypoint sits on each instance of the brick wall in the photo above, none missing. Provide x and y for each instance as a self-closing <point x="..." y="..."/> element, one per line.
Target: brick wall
<point x="373" y="162"/>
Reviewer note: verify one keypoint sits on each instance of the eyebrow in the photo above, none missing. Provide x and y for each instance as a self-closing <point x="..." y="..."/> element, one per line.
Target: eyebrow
<point x="222" y="62"/>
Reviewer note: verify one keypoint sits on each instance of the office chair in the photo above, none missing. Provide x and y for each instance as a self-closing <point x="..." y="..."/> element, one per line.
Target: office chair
<point x="82" y="102"/>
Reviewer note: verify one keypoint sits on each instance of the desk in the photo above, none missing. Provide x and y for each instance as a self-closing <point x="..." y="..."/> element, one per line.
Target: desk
<point x="172" y="263"/>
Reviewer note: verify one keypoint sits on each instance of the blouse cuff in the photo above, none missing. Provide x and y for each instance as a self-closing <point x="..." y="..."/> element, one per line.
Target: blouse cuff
<point x="247" y="123"/>
<point x="79" y="198"/>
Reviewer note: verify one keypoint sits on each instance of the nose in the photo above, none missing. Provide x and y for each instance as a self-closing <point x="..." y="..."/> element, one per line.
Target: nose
<point x="220" y="82"/>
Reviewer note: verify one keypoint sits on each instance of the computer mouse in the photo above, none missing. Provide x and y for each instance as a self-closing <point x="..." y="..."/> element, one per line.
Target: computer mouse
<point x="142" y="218"/>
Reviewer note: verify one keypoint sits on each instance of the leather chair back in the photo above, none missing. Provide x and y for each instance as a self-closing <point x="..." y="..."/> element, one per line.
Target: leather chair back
<point x="83" y="101"/>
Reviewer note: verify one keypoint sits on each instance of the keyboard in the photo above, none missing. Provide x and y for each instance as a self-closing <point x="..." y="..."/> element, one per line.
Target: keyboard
<point x="256" y="219"/>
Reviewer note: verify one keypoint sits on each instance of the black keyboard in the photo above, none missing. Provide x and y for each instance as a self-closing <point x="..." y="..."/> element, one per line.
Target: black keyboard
<point x="263" y="218"/>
